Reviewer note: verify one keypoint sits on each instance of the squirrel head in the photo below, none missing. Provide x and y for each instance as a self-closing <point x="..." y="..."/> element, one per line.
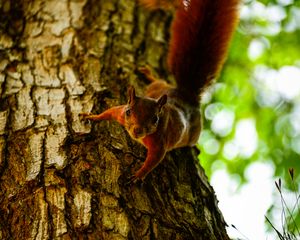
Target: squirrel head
<point x="142" y="115"/>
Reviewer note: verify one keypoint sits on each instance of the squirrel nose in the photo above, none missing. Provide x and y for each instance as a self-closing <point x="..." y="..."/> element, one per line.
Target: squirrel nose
<point x="137" y="130"/>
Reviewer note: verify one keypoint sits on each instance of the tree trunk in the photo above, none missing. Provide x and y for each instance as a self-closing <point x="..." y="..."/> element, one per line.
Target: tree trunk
<point x="63" y="178"/>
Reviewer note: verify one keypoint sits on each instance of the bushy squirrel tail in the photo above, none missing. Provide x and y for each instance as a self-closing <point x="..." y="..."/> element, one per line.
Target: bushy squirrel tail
<point x="201" y="32"/>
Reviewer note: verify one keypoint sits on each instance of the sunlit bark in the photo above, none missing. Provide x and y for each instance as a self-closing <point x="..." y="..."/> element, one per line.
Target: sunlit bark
<point x="63" y="178"/>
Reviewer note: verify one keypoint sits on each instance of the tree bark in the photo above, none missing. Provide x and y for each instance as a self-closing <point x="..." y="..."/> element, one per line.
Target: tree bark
<point x="63" y="178"/>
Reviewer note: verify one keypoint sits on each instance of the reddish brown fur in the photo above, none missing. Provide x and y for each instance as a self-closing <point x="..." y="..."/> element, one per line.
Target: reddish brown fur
<point x="200" y="37"/>
<point x="199" y="43"/>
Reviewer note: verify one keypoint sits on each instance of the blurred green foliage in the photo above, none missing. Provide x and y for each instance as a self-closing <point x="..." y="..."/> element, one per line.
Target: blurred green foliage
<point x="258" y="89"/>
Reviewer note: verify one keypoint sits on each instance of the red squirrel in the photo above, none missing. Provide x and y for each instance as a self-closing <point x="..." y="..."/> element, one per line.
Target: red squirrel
<point x="168" y="117"/>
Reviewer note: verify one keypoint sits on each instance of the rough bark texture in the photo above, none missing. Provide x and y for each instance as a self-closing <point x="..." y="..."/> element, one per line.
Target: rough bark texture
<point x="62" y="178"/>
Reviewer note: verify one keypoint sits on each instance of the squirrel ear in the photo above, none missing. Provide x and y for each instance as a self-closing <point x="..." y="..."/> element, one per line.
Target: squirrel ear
<point x="131" y="94"/>
<point x="162" y="101"/>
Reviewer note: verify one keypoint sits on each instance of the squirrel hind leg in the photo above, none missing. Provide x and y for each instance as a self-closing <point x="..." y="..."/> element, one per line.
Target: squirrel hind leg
<point x="146" y="71"/>
<point x="157" y="89"/>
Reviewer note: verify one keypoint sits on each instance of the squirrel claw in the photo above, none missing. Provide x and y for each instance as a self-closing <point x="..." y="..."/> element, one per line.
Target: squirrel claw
<point x="133" y="180"/>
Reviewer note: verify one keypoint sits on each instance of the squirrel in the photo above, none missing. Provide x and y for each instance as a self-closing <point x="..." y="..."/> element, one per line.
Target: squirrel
<point x="168" y="117"/>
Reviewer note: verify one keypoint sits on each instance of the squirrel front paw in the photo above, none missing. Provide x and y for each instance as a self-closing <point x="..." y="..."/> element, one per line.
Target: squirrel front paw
<point x="84" y="116"/>
<point x="88" y="116"/>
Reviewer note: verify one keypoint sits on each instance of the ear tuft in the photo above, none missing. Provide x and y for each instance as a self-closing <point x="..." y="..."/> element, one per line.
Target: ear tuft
<point x="131" y="94"/>
<point x="162" y="101"/>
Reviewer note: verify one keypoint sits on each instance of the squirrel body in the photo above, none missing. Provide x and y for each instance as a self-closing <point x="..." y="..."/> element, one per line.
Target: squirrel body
<point x="168" y="117"/>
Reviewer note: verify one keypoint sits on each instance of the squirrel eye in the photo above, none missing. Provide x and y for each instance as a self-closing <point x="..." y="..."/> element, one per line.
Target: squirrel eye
<point x="128" y="112"/>
<point x="154" y="119"/>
